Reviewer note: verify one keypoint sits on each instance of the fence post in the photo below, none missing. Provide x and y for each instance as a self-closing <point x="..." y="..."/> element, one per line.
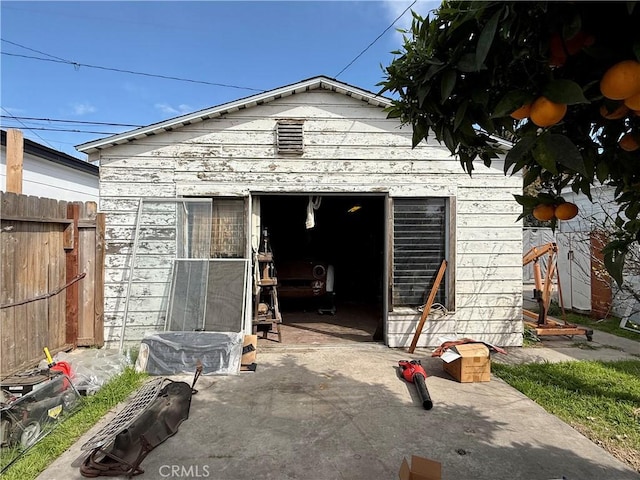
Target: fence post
<point x="72" y="298"/>
<point x="15" y="156"/>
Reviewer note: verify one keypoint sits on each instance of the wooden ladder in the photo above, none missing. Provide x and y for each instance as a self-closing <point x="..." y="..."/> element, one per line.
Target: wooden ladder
<point x="267" y="317"/>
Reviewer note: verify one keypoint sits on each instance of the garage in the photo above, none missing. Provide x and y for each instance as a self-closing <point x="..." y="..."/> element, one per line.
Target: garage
<point x="330" y="275"/>
<point x="389" y="213"/>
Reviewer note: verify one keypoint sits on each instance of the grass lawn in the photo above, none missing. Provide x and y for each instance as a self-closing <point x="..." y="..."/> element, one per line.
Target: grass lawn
<point x="92" y="409"/>
<point x="599" y="399"/>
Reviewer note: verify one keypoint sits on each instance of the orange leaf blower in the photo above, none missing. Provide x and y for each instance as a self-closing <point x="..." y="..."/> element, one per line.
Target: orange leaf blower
<point x="413" y="372"/>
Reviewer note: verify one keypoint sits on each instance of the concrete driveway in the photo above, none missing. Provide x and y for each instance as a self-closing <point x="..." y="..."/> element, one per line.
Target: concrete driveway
<point x="342" y="412"/>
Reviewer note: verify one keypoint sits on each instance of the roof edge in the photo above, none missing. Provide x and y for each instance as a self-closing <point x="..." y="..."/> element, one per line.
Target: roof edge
<point x="54" y="156"/>
<point x="313" y="83"/>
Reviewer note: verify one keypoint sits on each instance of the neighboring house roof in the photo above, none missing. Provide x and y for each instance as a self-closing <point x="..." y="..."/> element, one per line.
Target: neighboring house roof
<point x="54" y="156"/>
<point x="314" y="83"/>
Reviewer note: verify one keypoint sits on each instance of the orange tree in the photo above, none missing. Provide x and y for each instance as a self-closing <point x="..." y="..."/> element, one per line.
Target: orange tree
<point x="531" y="72"/>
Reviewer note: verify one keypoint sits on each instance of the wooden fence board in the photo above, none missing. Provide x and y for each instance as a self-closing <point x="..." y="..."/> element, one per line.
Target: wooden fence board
<point x="34" y="300"/>
<point x="22" y="292"/>
<point x="98" y="328"/>
<point x="8" y="244"/>
<point x="73" y="292"/>
<point x="57" y="278"/>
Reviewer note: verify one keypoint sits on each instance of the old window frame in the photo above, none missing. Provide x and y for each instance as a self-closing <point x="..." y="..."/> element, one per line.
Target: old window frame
<point x="405" y="223"/>
<point x="228" y="227"/>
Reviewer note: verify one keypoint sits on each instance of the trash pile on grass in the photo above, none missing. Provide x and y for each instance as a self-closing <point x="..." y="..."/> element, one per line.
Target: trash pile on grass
<point x="34" y="402"/>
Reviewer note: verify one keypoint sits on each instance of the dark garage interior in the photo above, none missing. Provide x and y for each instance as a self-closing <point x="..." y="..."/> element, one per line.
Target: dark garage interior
<point x="348" y="238"/>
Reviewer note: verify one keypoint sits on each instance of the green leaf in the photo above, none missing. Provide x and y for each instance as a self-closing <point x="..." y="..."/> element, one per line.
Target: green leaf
<point x="447" y="84"/>
<point x="485" y="121"/>
<point x="448" y="139"/>
<point x="481" y="97"/>
<point x="520" y="149"/>
<point x="564" y="91"/>
<point x="544" y="155"/>
<point x="467" y="63"/>
<point x="511" y="102"/>
<point x="585" y="187"/>
<point x="423" y="92"/>
<point x="393" y="112"/>
<point x="632" y="210"/>
<point x="460" y="115"/>
<point x="529" y="177"/>
<point x="526" y="201"/>
<point x="555" y="148"/>
<point x="602" y="172"/>
<point x="420" y="130"/>
<point x="636" y="50"/>
<point x="614" y="263"/>
<point x="571" y="28"/>
<point x="486" y="39"/>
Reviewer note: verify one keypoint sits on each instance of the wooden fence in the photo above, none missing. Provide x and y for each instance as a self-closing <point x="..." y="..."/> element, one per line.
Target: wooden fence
<point x="51" y="278"/>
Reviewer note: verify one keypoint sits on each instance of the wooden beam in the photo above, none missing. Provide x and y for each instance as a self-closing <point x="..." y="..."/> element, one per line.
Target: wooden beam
<point x="11" y="218"/>
<point x="73" y="297"/>
<point x="98" y="279"/>
<point x="15" y="156"/>
<point x="427" y="307"/>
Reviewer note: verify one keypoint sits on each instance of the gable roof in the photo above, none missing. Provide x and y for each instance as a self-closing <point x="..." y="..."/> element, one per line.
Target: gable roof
<point x="315" y="83"/>
<point x="54" y="156"/>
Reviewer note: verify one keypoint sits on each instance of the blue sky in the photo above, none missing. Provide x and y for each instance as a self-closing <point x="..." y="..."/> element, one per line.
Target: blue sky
<point x="244" y="46"/>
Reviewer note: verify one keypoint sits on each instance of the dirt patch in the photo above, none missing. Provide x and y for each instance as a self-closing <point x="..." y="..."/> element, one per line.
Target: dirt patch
<point x="617" y="448"/>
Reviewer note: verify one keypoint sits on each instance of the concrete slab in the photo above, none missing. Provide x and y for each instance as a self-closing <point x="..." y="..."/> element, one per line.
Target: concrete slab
<point x="342" y="411"/>
<point x="605" y="347"/>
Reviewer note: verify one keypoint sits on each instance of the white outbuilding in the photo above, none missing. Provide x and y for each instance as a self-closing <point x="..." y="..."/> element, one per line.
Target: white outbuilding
<point x="338" y="187"/>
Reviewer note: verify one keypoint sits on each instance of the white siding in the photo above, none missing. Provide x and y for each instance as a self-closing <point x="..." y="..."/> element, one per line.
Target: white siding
<point x="42" y="178"/>
<point x="350" y="147"/>
<point x="576" y="232"/>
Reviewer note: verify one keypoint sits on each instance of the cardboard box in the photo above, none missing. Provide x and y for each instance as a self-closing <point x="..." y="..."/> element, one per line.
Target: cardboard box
<point x="420" y="469"/>
<point x="471" y="364"/>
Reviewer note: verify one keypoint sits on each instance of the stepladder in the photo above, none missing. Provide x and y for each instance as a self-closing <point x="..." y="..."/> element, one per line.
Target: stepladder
<point x="267" y="317"/>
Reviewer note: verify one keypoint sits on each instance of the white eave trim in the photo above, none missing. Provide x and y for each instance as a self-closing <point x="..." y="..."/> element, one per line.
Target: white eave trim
<point x="247" y="102"/>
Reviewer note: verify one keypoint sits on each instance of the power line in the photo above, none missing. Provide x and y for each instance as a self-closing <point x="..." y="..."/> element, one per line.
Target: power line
<point x="67" y="130"/>
<point x="77" y="65"/>
<point x="377" y="38"/>
<point x="36" y="51"/>
<point x="28" y="128"/>
<point x="73" y="121"/>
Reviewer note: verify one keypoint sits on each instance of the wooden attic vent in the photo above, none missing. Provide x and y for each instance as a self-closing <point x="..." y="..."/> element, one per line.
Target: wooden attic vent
<point x="289" y="138"/>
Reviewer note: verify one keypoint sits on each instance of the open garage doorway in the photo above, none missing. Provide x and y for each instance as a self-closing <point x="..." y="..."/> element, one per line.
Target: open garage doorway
<point x="331" y="275"/>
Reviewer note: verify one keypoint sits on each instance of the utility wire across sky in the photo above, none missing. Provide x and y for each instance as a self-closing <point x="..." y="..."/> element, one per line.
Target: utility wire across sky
<point x="49" y="124"/>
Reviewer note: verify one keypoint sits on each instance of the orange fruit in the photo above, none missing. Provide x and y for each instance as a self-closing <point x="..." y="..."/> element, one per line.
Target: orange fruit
<point x="544" y="212"/>
<point x="633" y="102"/>
<point x="522" y="112"/>
<point x="557" y="53"/>
<point x="559" y="49"/>
<point x="578" y="42"/>
<point x="545" y="113"/>
<point x="619" y="112"/>
<point x="629" y="142"/>
<point x="621" y="81"/>
<point x="566" y="211"/>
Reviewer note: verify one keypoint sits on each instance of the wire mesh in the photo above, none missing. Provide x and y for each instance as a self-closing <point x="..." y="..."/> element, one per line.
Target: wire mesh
<point x="138" y="404"/>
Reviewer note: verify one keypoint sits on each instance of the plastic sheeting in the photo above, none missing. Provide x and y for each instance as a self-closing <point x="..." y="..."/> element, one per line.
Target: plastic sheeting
<point x="170" y="353"/>
<point x="91" y="368"/>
